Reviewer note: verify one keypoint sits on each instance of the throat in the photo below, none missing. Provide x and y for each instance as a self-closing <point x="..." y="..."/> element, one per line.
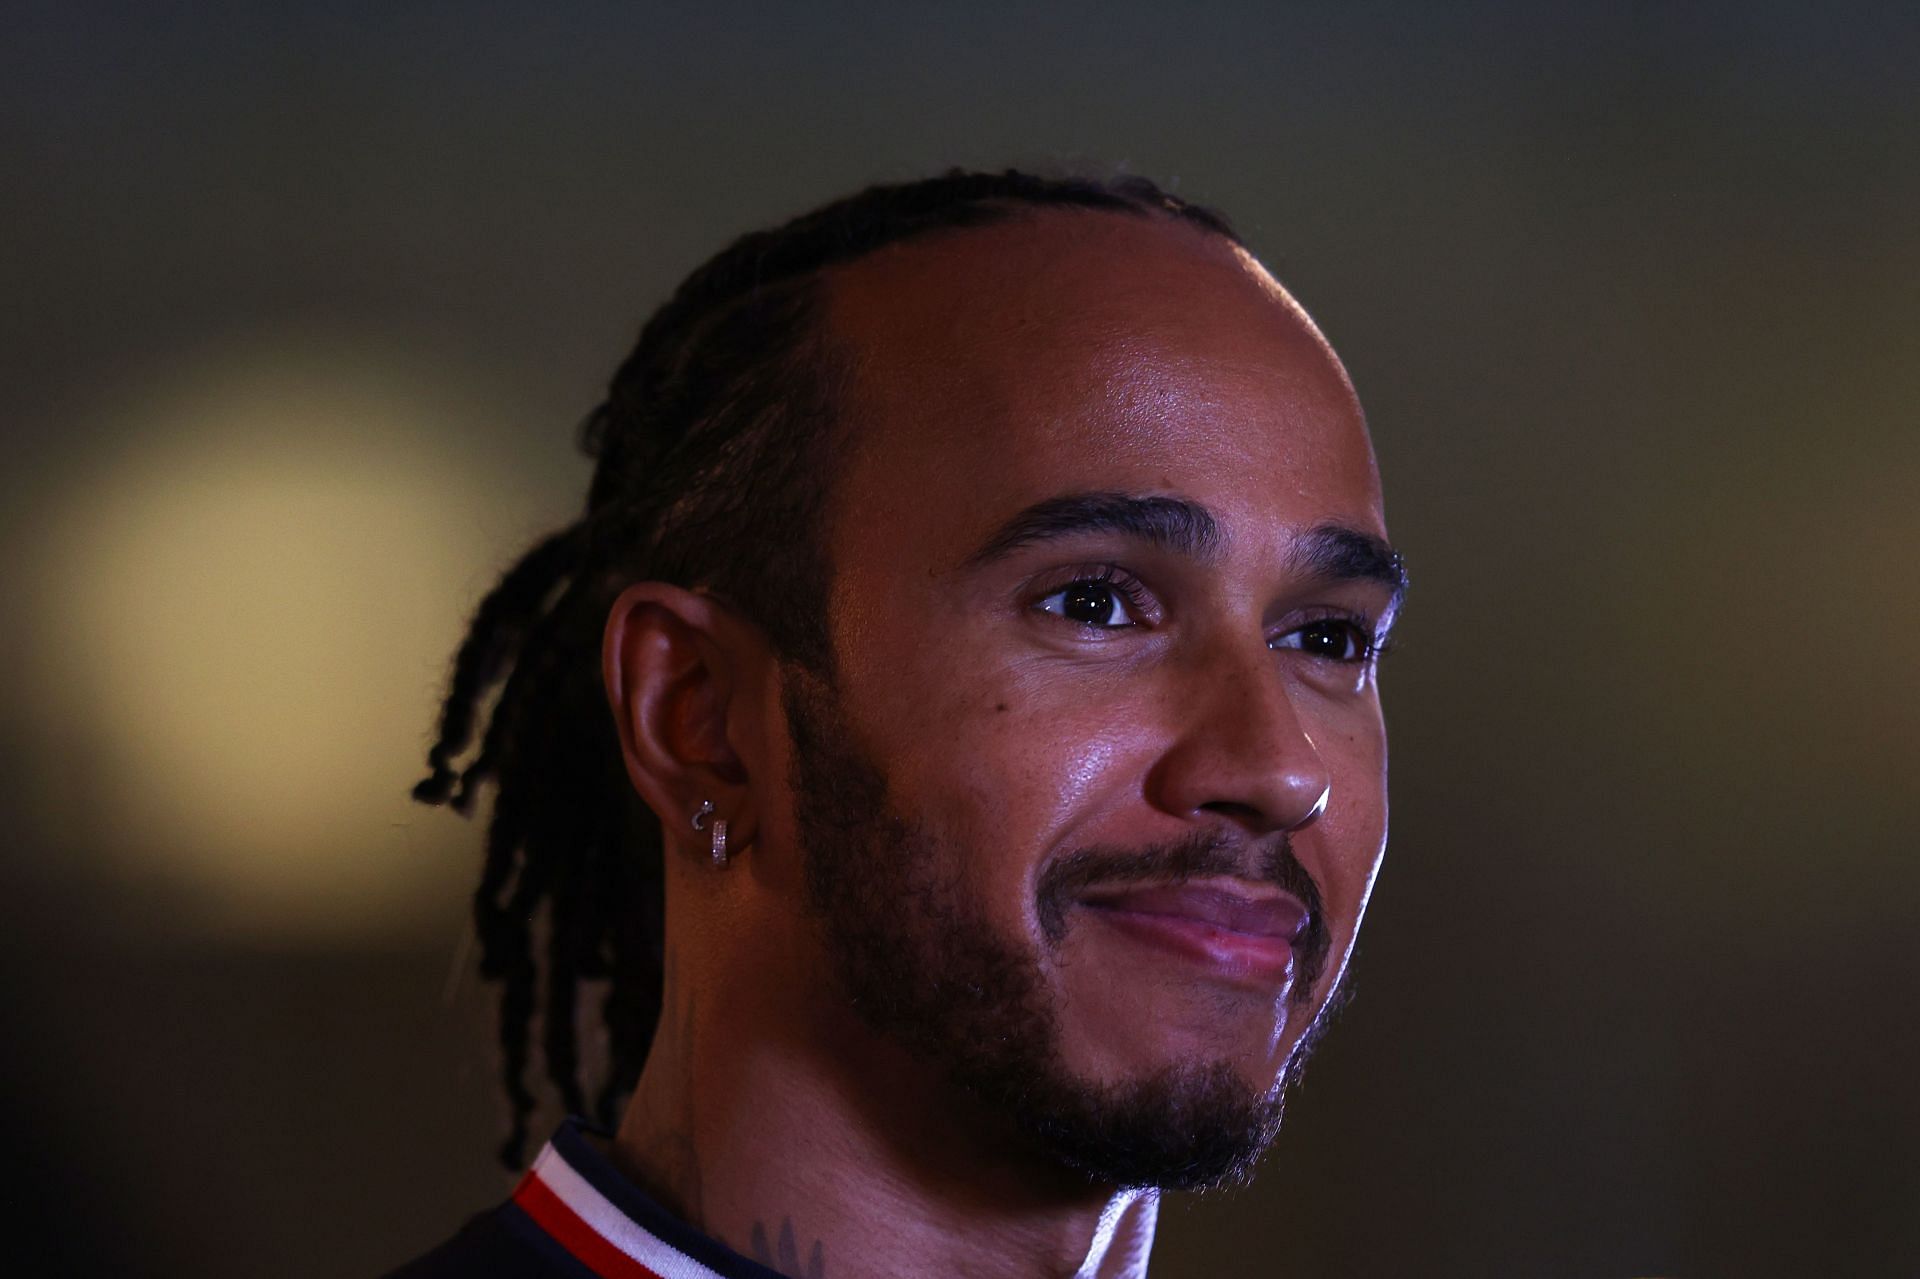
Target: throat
<point x="789" y="1167"/>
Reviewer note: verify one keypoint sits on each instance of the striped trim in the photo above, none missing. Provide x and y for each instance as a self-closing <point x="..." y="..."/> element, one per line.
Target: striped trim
<point x="600" y="1236"/>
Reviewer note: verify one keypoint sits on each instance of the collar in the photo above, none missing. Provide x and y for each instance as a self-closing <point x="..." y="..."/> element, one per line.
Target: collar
<point x="575" y="1195"/>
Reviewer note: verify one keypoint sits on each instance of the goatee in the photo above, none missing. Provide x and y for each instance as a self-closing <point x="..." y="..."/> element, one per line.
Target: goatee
<point x="918" y="958"/>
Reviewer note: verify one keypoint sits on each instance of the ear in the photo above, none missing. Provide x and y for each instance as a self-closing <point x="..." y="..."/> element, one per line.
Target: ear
<point x="675" y="664"/>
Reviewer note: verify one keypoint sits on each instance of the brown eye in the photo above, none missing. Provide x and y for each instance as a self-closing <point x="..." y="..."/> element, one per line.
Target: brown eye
<point x="1334" y="639"/>
<point x="1091" y="603"/>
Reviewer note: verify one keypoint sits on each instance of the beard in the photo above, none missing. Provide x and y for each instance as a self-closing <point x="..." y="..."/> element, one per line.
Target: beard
<point x="920" y="961"/>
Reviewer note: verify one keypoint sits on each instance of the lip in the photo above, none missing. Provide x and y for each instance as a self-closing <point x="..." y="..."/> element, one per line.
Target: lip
<point x="1235" y="930"/>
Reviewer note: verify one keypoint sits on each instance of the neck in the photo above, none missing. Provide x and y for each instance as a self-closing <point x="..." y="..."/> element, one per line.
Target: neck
<point x="816" y="1153"/>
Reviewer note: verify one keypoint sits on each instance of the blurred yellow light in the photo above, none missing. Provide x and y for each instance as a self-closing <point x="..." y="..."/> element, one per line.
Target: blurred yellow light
<point x="255" y="605"/>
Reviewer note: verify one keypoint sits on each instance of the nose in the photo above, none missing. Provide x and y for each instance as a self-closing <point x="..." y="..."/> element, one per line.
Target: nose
<point x="1242" y="752"/>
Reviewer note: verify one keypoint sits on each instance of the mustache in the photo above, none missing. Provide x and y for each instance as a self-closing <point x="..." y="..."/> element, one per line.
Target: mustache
<point x="1200" y="855"/>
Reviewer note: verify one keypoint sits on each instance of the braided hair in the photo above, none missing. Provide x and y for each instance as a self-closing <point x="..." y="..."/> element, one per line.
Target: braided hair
<point x="713" y="458"/>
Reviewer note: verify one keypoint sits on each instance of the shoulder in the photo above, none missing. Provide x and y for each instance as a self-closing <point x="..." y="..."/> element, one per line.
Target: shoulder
<point x="499" y="1244"/>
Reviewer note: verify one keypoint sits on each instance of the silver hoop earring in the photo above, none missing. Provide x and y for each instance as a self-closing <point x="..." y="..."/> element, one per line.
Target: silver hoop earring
<point x="717" y="845"/>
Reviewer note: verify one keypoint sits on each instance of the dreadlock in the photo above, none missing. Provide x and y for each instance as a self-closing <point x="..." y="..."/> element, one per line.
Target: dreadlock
<point x="715" y="439"/>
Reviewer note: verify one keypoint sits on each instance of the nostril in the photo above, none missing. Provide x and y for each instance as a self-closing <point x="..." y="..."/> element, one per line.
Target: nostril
<point x="1244" y="814"/>
<point x="1258" y="817"/>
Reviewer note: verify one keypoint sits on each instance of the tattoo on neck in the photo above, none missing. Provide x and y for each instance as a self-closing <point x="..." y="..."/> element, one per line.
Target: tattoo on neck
<point x="784" y="1255"/>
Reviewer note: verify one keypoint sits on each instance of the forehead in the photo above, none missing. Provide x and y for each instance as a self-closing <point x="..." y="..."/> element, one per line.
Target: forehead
<point x="1078" y="351"/>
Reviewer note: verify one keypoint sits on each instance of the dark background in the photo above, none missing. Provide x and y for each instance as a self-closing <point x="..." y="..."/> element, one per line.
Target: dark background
<point x="302" y="303"/>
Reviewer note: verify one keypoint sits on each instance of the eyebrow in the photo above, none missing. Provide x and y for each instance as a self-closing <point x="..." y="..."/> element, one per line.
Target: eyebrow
<point x="1331" y="552"/>
<point x="1337" y="553"/>
<point x="1170" y="523"/>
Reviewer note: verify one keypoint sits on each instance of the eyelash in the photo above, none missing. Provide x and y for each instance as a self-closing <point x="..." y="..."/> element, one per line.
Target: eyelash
<point x="1359" y="628"/>
<point x="1130" y="589"/>
<point x="1134" y="593"/>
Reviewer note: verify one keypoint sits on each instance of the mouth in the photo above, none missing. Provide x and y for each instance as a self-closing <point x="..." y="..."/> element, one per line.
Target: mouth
<point x="1233" y="930"/>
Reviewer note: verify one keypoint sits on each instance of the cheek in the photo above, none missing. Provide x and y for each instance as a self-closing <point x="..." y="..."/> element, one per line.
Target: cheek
<point x="1015" y="766"/>
<point x="1008" y="763"/>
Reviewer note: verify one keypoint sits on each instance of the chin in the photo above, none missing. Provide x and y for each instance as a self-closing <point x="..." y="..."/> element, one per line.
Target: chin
<point x="1251" y="1039"/>
<point x="1186" y="1126"/>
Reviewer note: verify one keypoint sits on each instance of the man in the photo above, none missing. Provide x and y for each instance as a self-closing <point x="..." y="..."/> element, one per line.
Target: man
<point x="987" y="579"/>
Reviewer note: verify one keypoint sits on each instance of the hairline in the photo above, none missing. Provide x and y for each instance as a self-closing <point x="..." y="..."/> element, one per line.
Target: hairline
<point x="831" y="359"/>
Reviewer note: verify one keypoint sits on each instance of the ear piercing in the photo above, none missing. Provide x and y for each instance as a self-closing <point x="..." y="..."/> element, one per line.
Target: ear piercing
<point x="717" y="847"/>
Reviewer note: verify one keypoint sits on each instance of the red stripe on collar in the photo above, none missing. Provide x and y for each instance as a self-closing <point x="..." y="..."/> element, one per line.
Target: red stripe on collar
<point x="551" y="1213"/>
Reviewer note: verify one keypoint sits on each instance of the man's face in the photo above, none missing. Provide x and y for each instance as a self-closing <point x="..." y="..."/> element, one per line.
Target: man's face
<point x="1094" y="798"/>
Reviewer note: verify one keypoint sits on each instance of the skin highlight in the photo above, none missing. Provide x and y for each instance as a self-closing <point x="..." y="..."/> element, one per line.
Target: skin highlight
<point x="1218" y="703"/>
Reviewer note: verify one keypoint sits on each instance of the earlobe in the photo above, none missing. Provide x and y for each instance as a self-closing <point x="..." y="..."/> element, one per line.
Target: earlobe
<point x="672" y="662"/>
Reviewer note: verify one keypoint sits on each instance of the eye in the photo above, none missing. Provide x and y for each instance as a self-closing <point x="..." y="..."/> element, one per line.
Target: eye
<point x="1336" y="639"/>
<point x="1099" y="603"/>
